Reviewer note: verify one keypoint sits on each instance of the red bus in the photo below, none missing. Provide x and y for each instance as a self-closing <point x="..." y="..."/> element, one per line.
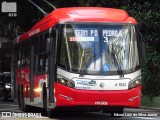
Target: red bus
<point x="82" y="58"/>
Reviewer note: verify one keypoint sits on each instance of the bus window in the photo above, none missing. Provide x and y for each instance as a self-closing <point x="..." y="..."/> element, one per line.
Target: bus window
<point x="45" y="55"/>
<point x="46" y="64"/>
<point x="41" y="57"/>
<point x="27" y="53"/>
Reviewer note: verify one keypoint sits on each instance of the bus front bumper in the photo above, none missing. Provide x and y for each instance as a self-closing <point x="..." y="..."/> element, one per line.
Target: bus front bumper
<point x="66" y="96"/>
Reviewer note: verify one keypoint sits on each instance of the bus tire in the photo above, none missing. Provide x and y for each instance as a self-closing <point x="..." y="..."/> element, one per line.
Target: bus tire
<point x="52" y="113"/>
<point x="49" y="112"/>
<point x="19" y="98"/>
<point x="45" y="100"/>
<point x="24" y="107"/>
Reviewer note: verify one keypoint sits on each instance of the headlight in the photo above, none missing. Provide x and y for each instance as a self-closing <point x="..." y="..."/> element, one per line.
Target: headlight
<point x="65" y="81"/>
<point x="135" y="82"/>
<point x="7" y="86"/>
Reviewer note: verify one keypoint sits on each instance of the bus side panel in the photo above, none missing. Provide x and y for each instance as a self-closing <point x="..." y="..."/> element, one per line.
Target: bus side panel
<point x="63" y="93"/>
<point x="25" y="78"/>
<point x="22" y="77"/>
<point x="134" y="97"/>
<point x="38" y="85"/>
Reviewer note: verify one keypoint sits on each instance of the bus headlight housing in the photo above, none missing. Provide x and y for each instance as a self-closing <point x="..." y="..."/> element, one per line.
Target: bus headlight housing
<point x="66" y="82"/>
<point x="135" y="83"/>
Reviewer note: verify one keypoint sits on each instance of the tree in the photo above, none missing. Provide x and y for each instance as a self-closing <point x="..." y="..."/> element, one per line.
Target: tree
<point x="147" y="13"/>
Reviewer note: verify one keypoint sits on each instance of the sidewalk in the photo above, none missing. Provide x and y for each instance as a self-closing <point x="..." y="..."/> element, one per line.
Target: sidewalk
<point x="150" y="108"/>
<point x="147" y="103"/>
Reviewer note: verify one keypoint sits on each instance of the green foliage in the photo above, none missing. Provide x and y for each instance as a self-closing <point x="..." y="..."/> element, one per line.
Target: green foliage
<point x="151" y="73"/>
<point x="149" y="24"/>
<point x="147" y="13"/>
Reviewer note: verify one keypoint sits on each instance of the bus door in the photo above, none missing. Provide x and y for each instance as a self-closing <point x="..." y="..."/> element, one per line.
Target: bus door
<point x="32" y="74"/>
<point x="51" y="44"/>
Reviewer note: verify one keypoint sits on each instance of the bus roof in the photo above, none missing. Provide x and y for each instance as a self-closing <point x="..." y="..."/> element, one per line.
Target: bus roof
<point x="79" y="14"/>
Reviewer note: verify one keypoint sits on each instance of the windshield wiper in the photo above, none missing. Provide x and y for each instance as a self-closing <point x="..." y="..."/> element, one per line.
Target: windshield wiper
<point x="88" y="63"/>
<point x="120" y="71"/>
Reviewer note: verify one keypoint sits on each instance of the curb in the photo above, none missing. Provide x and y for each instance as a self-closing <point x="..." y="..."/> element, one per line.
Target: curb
<point x="150" y="108"/>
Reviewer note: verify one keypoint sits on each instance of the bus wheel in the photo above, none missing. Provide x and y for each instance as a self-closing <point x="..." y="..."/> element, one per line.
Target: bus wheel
<point x="45" y="99"/>
<point x="24" y="107"/>
<point x="19" y="98"/>
<point x="52" y="113"/>
<point x="48" y="112"/>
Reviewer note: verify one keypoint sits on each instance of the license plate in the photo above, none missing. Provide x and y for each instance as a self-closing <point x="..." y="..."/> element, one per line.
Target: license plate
<point x="101" y="103"/>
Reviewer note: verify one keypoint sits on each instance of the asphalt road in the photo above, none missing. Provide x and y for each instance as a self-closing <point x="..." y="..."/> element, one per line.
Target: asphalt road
<point x="10" y="108"/>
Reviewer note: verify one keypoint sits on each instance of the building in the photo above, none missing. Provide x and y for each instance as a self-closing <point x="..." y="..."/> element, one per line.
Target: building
<point x="7" y="36"/>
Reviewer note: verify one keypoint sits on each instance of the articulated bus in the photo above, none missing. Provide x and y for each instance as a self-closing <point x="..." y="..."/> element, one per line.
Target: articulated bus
<point x="79" y="58"/>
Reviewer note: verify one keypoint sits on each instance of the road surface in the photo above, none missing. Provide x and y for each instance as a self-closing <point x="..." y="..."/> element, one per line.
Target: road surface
<point x="10" y="108"/>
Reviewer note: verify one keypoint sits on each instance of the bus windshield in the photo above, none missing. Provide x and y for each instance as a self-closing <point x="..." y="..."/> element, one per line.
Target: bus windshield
<point x="101" y="49"/>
